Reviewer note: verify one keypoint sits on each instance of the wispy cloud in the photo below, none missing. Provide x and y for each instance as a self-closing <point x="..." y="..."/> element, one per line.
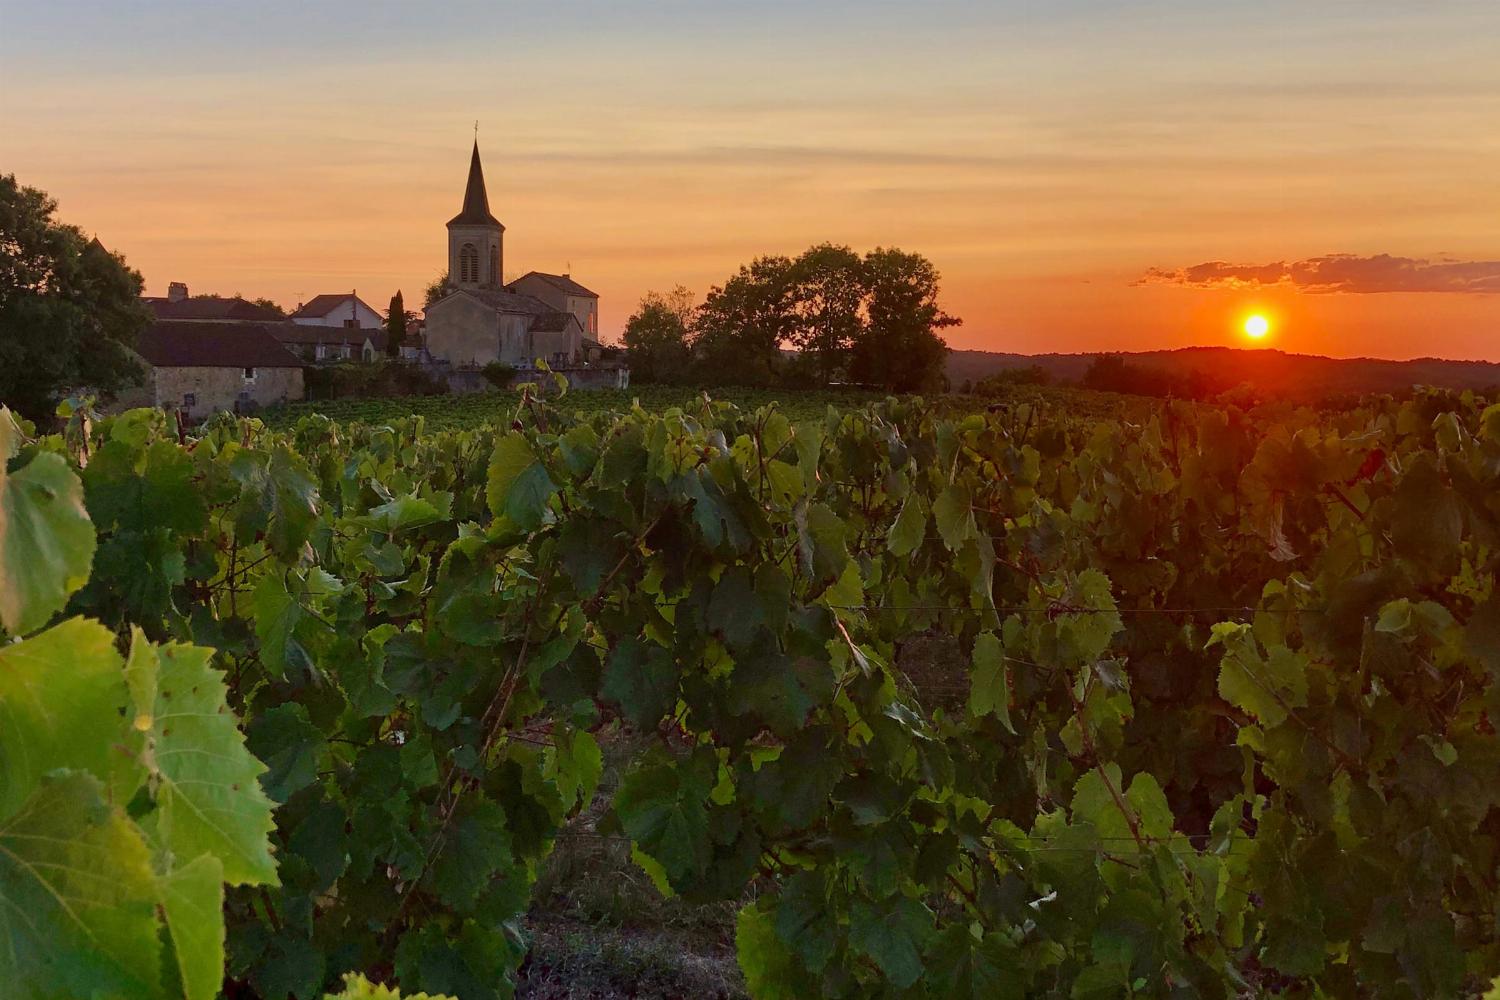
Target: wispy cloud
<point x="1340" y="272"/>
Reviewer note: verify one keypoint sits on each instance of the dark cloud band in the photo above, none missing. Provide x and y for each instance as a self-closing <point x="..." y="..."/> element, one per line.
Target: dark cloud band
<point x="1341" y="272"/>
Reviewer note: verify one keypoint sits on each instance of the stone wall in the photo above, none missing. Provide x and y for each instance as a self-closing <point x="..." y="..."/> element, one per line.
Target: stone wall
<point x="463" y="331"/>
<point x="611" y="377"/>
<point x="215" y="389"/>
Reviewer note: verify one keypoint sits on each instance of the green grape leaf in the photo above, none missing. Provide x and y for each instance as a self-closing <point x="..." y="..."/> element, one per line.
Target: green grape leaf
<point x="291" y="965"/>
<point x="518" y="486"/>
<point x="46" y="542"/>
<point x="663" y="808"/>
<point x="954" y="517"/>
<point x="641" y="678"/>
<point x="1093" y="803"/>
<point x="407" y="512"/>
<point x="891" y="934"/>
<point x="61" y="695"/>
<point x="989" y="684"/>
<point x="290" y="745"/>
<point x="277" y="613"/>
<point x="278" y="496"/>
<point x="1150" y="804"/>
<point x="804" y="921"/>
<point x="1086" y="635"/>
<point x="77" y="898"/>
<point x="1267" y="687"/>
<point x="576" y="765"/>
<point x="770" y="971"/>
<point x="192" y="899"/>
<point x="477" y="847"/>
<point x="207" y="792"/>
<point x="973" y="967"/>
<point x="909" y="528"/>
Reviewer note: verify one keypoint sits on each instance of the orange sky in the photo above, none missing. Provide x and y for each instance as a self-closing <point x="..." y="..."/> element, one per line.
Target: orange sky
<point x="1045" y="159"/>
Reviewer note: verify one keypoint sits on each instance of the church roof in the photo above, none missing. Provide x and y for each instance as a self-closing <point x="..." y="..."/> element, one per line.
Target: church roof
<point x="564" y="282"/>
<point x="503" y="300"/>
<point x="212" y="345"/>
<point x="476" y="210"/>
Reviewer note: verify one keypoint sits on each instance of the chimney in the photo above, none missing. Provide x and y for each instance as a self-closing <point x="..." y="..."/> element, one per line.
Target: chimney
<point x="176" y="291"/>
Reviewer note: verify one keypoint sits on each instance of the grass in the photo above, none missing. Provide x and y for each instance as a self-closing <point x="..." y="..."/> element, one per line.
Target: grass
<point x="599" y="928"/>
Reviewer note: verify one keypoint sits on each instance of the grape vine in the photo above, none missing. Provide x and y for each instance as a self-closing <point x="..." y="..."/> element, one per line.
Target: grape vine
<point x="1225" y="727"/>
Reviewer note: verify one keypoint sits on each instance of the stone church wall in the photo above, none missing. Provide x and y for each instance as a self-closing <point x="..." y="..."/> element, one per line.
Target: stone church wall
<point x="463" y="331"/>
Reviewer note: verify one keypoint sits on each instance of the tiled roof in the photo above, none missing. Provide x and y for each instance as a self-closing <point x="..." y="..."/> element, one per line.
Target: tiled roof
<point x="476" y="210"/>
<point x="322" y="305"/>
<point x="168" y="344"/>
<point x="504" y="300"/>
<point x="211" y="308"/>
<point x="564" y="282"/>
<point x="553" y="322"/>
<point x="295" y="333"/>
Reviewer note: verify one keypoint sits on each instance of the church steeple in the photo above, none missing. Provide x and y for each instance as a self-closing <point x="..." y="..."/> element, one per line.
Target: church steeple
<point x="475" y="237"/>
<point x="476" y="210"/>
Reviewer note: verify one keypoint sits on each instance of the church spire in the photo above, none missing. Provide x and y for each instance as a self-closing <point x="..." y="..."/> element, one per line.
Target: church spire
<point x="476" y="210"/>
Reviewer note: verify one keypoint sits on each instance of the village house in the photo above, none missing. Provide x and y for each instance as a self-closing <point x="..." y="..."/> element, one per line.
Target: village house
<point x="539" y="317"/>
<point x="564" y="294"/>
<point x="328" y="344"/>
<point x="179" y="306"/>
<point x="345" y="310"/>
<point x="199" y="368"/>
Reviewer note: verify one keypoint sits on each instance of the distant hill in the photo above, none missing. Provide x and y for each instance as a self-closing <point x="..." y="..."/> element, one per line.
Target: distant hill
<point x="1271" y="371"/>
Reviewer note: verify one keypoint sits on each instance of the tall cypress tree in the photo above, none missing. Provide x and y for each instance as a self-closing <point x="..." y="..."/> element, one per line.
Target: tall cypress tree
<point x="395" y="326"/>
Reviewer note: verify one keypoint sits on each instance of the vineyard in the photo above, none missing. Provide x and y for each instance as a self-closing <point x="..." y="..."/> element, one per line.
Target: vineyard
<point x="480" y="409"/>
<point x="1211" y="714"/>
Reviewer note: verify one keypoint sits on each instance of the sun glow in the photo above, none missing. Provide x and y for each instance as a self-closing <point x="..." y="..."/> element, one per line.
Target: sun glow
<point x="1256" y="326"/>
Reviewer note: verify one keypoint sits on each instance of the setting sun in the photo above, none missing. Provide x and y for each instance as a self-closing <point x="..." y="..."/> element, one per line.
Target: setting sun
<point x="1257" y="326"/>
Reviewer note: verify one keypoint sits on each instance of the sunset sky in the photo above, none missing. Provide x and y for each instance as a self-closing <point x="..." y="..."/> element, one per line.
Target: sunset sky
<point x="1085" y="175"/>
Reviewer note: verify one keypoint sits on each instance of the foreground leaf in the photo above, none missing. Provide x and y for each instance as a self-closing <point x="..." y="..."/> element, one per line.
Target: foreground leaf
<point x="77" y="899"/>
<point x="46" y="541"/>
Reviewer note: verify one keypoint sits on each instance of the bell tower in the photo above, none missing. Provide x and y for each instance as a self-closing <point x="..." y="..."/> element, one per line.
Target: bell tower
<point x="476" y="239"/>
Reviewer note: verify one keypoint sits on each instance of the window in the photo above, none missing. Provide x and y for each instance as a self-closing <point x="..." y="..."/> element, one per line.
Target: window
<point x="189" y="400"/>
<point x="249" y="374"/>
<point x="350" y="324"/>
<point x="494" y="275"/>
<point x="468" y="264"/>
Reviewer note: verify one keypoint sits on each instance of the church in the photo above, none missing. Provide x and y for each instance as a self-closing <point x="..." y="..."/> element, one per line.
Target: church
<point x="539" y="316"/>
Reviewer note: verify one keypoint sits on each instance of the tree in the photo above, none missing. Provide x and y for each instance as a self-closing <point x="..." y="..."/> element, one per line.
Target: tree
<point x="269" y="306"/>
<point x="828" y="299"/>
<point x="438" y="287"/>
<point x="656" y="336"/>
<point x="899" y="349"/>
<point x="395" y="326"/>
<point x="70" y="311"/>
<point x="743" y="325"/>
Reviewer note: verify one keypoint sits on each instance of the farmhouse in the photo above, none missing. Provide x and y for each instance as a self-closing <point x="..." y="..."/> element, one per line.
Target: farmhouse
<point x="539" y="317"/>
<point x="564" y="294"/>
<point x="328" y="343"/>
<point x="345" y="310"/>
<point x="181" y="307"/>
<point x="200" y="368"/>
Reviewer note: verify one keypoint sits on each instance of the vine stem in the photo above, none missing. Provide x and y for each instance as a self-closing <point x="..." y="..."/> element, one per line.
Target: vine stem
<point x="494" y="716"/>
<point x="1131" y="820"/>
